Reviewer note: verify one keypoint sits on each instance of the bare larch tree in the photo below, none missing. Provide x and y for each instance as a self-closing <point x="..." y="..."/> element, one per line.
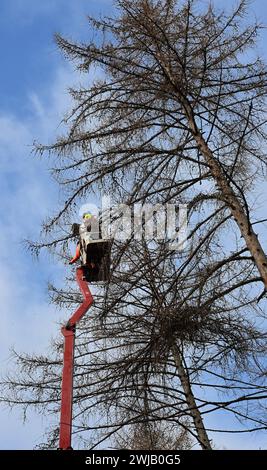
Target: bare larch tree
<point x="178" y="100"/>
<point x="175" y="115"/>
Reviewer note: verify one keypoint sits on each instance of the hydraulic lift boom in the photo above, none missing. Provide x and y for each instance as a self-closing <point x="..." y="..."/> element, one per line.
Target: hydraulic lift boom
<point x="68" y="332"/>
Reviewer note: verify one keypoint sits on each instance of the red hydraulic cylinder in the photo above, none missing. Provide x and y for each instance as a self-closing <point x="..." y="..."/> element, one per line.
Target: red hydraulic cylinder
<point x="68" y="332"/>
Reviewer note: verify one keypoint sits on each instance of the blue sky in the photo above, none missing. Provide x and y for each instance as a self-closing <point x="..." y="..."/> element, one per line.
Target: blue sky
<point x="33" y="98"/>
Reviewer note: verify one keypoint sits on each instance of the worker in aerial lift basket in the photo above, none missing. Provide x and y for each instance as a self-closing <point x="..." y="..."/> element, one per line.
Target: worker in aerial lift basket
<point x="92" y="249"/>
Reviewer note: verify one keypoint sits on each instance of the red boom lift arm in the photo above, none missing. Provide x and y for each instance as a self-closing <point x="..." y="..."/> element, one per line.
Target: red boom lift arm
<point x="68" y="332"/>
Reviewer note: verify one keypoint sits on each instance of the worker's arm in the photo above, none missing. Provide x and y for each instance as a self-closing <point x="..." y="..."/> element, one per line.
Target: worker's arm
<point x="77" y="254"/>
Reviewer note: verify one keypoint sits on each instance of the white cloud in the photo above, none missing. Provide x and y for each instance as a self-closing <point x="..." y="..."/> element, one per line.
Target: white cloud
<point x="27" y="195"/>
<point x="27" y="321"/>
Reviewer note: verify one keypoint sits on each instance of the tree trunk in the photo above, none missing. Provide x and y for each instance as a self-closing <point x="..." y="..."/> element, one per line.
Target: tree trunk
<point x="190" y="399"/>
<point x="236" y="208"/>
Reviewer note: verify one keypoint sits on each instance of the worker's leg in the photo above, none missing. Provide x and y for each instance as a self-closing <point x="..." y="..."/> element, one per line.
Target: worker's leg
<point x="77" y="254"/>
